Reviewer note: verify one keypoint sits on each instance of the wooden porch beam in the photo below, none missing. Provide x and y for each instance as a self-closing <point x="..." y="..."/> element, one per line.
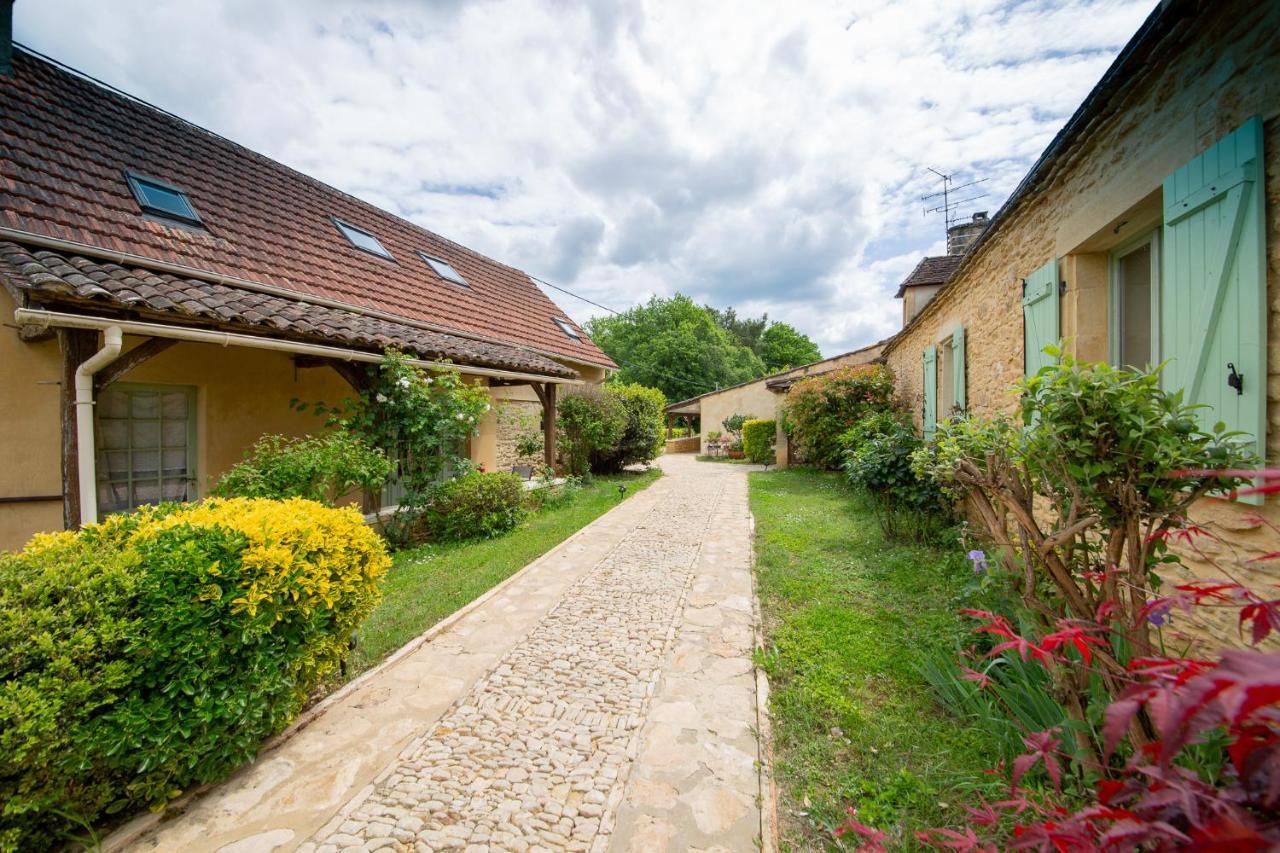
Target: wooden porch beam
<point x="548" y="396"/>
<point x="116" y="370"/>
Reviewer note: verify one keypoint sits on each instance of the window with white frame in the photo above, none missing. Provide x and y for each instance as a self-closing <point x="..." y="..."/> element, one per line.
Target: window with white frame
<point x="145" y="445"/>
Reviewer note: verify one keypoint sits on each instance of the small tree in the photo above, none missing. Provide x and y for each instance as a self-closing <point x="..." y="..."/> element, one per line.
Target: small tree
<point x="642" y="438"/>
<point x="590" y="421"/>
<point x="819" y="409"/>
<point x="1079" y="496"/>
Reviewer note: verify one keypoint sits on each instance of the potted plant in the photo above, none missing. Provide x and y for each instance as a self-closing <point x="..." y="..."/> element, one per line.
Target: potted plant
<point x="736" y="451"/>
<point x="527" y="445"/>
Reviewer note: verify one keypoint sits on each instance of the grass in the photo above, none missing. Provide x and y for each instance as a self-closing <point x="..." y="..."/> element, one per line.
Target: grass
<point x="849" y="619"/>
<point x="428" y="583"/>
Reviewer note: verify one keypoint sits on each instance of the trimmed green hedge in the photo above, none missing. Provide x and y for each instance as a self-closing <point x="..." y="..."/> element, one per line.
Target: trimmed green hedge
<point x="475" y="506"/>
<point x="157" y="650"/>
<point x="758" y="436"/>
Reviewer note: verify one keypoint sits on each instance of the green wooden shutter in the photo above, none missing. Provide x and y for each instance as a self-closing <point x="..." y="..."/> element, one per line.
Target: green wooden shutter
<point x="1213" y="289"/>
<point x="930" y="391"/>
<point x="957" y="368"/>
<point x="1039" y="317"/>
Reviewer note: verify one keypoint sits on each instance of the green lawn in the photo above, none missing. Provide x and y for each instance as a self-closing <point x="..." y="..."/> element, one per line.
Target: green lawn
<point x="848" y="618"/>
<point x="428" y="583"/>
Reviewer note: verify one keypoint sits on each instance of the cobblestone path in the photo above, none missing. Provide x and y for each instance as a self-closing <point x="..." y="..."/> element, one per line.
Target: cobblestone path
<point x="602" y="699"/>
<point x="535" y="756"/>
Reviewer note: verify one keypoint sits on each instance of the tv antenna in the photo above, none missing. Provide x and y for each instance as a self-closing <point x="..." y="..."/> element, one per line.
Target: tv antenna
<point x="948" y="207"/>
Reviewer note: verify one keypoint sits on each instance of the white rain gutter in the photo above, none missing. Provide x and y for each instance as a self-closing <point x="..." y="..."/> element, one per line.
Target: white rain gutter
<point x="127" y="258"/>
<point x="112" y="340"/>
<point x="45" y="319"/>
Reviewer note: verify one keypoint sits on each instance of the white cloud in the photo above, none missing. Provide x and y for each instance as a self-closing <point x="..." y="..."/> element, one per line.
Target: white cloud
<point x="763" y="155"/>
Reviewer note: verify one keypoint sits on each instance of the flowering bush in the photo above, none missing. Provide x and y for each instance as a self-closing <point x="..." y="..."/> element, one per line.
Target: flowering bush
<point x="319" y="468"/>
<point x="421" y="421"/>
<point x="819" y="409"/>
<point x="157" y="650"/>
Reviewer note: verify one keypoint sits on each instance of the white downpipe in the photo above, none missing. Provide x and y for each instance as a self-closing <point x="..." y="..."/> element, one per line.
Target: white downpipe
<point x="86" y="463"/>
<point x="36" y="317"/>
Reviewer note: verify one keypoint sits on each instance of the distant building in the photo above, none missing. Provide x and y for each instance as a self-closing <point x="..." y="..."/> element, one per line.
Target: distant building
<point x="933" y="272"/>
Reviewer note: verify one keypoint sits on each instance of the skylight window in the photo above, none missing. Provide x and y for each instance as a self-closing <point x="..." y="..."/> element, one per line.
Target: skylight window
<point x="362" y="239"/>
<point x="567" y="328"/>
<point x="443" y="269"/>
<point x="161" y="199"/>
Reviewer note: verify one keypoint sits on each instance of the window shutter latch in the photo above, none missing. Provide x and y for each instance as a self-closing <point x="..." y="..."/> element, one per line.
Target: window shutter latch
<point x="1235" y="380"/>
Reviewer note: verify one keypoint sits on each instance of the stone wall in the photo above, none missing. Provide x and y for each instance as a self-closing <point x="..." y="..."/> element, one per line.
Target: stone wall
<point x="1215" y="75"/>
<point x="516" y="418"/>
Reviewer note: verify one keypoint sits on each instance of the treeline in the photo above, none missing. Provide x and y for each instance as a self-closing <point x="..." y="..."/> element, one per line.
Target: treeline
<point x="685" y="349"/>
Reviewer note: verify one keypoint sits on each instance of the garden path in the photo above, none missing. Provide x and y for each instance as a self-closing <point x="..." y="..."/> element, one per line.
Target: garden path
<point x="602" y="699"/>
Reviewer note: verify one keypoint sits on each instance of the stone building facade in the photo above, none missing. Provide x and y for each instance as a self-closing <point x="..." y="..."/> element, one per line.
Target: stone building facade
<point x="1194" y="75"/>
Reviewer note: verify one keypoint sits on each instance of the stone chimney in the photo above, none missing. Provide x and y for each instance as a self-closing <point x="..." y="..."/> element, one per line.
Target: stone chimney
<point x="6" y="38"/>
<point x="960" y="236"/>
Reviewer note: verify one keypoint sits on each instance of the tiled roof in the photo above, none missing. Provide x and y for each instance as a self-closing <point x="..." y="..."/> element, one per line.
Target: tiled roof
<point x="57" y="280"/>
<point x="67" y="142"/>
<point x="935" y="270"/>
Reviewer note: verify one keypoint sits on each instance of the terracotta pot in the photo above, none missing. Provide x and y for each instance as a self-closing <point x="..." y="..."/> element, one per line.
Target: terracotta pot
<point x="737" y="454"/>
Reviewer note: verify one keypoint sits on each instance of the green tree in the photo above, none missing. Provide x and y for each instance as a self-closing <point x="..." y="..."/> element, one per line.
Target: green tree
<point x="676" y="346"/>
<point x="745" y="330"/>
<point x="781" y="346"/>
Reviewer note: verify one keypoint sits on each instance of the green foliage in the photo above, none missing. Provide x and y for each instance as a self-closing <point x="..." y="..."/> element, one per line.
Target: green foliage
<point x="157" y="650"/>
<point x="758" y="436"/>
<point x="676" y="346"/>
<point x="734" y="423"/>
<point x="319" y="468"/>
<point x="642" y="437"/>
<point x="474" y="506"/>
<point x="590" y="421"/>
<point x="818" y="410"/>
<point x="849" y="617"/>
<point x="1078" y="497"/>
<point x="1112" y="437"/>
<point x="530" y="444"/>
<point x="878" y="453"/>
<point x="747" y="331"/>
<point x="781" y="347"/>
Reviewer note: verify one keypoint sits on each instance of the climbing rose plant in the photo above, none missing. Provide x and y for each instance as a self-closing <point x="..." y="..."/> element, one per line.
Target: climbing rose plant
<point x="421" y="420"/>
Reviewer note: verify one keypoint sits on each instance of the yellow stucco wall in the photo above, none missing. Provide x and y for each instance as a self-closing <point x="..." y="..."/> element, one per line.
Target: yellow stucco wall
<point x="241" y="394"/>
<point x="755" y="398"/>
<point x="1108" y="195"/>
<point x="31" y="453"/>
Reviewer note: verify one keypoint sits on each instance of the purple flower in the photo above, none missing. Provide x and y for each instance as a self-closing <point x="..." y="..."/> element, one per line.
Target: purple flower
<point x="979" y="561"/>
<point x="1161" y="614"/>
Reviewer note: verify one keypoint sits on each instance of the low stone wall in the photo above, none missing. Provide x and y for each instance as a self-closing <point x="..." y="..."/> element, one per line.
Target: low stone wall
<point x="689" y="444"/>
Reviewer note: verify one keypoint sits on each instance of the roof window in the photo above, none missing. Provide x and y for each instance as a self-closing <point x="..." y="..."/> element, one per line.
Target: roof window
<point x="162" y="199"/>
<point x="567" y="328"/>
<point x="444" y="269"/>
<point x="362" y="239"/>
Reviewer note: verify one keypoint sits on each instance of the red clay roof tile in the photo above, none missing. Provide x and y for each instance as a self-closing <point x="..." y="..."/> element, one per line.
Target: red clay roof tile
<point x="68" y="141"/>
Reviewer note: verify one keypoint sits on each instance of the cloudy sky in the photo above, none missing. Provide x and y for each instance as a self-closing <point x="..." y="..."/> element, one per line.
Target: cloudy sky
<point x="761" y="154"/>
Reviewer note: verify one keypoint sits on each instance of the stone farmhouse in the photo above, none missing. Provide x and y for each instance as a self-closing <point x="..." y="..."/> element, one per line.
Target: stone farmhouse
<point x="1147" y="232"/>
<point x="168" y="292"/>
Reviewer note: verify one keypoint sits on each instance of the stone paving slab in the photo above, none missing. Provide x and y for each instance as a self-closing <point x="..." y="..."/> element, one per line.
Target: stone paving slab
<point x="604" y="699"/>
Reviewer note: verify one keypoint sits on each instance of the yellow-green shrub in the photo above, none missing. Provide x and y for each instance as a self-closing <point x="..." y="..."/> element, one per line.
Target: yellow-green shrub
<point x="157" y="650"/>
<point x="758" y="436"/>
